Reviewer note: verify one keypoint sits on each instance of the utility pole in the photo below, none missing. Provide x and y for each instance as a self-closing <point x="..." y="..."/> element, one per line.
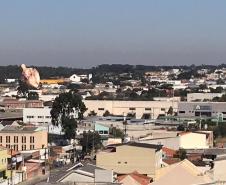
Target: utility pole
<point x="11" y="166"/>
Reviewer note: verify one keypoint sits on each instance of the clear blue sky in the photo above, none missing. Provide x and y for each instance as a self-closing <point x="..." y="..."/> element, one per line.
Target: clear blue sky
<point x="82" y="33"/>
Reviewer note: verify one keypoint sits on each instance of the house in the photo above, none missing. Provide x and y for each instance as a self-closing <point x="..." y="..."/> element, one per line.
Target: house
<point x="183" y="172"/>
<point x="203" y="140"/>
<point x="102" y="130"/>
<point x="134" y="178"/>
<point x="82" y="173"/>
<point x="129" y="157"/>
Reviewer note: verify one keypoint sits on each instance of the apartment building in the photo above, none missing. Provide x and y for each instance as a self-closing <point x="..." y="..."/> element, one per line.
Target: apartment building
<point x="21" y="138"/>
<point x="137" y="108"/>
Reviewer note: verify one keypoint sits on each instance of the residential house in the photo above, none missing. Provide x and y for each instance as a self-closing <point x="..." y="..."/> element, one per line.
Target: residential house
<point x="129" y="157"/>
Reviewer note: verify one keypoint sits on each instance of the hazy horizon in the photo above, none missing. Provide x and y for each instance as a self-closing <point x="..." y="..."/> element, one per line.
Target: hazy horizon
<point x="84" y="34"/>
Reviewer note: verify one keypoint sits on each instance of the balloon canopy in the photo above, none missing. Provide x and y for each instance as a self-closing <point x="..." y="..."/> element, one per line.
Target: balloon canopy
<point x="30" y="76"/>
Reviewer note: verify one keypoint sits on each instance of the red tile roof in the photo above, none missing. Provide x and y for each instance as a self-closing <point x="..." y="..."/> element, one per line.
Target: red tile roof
<point x="141" y="179"/>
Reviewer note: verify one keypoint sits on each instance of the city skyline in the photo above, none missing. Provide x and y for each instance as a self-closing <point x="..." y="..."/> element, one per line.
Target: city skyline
<point x="86" y="34"/>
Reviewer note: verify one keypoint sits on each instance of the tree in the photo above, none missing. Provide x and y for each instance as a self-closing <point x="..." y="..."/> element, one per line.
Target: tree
<point x="170" y="111"/>
<point x="92" y="113"/>
<point x="116" y="132"/>
<point x="33" y="96"/>
<point x="22" y="89"/>
<point x="66" y="110"/>
<point x="106" y="113"/>
<point x="182" y="154"/>
<point x="90" y="141"/>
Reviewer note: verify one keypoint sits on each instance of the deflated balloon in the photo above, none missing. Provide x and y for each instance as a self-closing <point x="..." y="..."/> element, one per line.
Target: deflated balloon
<point x="30" y="76"/>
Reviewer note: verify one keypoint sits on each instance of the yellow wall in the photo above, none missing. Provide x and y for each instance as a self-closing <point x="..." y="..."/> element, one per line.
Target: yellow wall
<point x="51" y="81"/>
<point x="40" y="138"/>
<point x="128" y="159"/>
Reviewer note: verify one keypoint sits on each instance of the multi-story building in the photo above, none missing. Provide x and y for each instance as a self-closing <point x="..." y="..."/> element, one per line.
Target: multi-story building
<point x="130" y="157"/>
<point x="21" y="138"/>
<point x="137" y="108"/>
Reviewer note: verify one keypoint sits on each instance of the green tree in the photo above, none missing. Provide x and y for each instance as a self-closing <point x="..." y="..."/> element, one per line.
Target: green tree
<point x="33" y="96"/>
<point x="106" y="113"/>
<point x="92" y="113"/>
<point x="22" y="89"/>
<point x="170" y="111"/>
<point x="90" y="141"/>
<point x="116" y="132"/>
<point x="64" y="109"/>
<point x="182" y="154"/>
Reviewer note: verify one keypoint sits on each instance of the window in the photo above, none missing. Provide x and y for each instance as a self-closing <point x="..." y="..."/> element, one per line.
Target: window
<point x="7" y="139"/>
<point x="163" y="109"/>
<point x="32" y="147"/>
<point x="105" y="132"/>
<point x="181" y="112"/>
<point x="40" y="117"/>
<point x="100" y="108"/>
<point x="132" y="108"/>
<point x="7" y="146"/>
<point x="147" y="108"/>
<point x="32" y="139"/>
<point x="223" y="112"/>
<point x="0" y="139"/>
<point x="15" y="147"/>
<point x="48" y="116"/>
<point x="23" y="139"/>
<point x="15" y="139"/>
<point x="101" y="132"/>
<point x="23" y="147"/>
<point x="30" y="116"/>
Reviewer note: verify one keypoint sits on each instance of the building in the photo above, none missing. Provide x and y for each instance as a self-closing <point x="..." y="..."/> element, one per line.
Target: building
<point x="202" y="96"/>
<point x="134" y="178"/>
<point x="202" y="110"/>
<point x="137" y="108"/>
<point x="20" y="104"/>
<point x="130" y="157"/>
<point x="183" y="172"/>
<point x="3" y="163"/>
<point x="21" y="138"/>
<point x="37" y="115"/>
<point x="185" y="140"/>
<point x="102" y="130"/>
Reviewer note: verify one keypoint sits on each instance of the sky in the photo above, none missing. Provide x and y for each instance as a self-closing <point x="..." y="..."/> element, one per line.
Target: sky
<point x="87" y="33"/>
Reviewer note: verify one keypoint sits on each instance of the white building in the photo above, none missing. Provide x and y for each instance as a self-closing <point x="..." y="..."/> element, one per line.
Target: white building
<point x="37" y="115"/>
<point x="202" y="96"/>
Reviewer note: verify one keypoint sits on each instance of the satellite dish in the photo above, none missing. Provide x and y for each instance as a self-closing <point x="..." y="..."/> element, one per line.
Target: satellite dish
<point x="30" y="76"/>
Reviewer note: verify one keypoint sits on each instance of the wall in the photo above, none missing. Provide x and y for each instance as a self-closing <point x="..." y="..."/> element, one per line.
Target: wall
<point x="122" y="162"/>
<point x="193" y="141"/>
